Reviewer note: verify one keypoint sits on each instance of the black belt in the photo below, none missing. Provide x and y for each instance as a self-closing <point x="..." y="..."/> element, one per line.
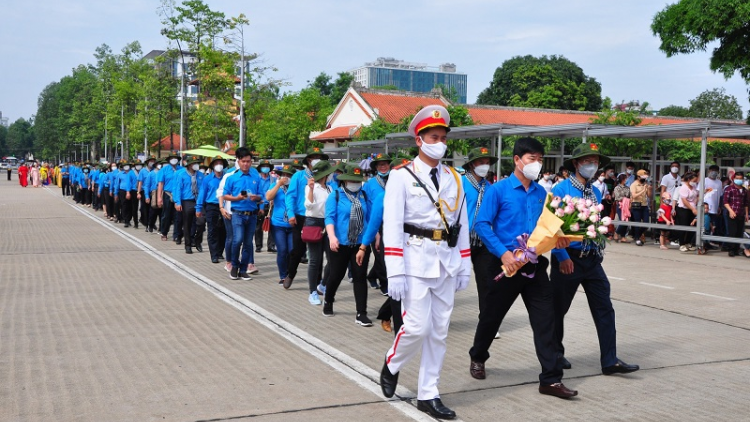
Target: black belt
<point x="245" y="212"/>
<point x="432" y="234"/>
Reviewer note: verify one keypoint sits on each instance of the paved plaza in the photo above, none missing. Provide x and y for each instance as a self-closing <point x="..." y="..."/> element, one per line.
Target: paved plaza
<point x="101" y="323"/>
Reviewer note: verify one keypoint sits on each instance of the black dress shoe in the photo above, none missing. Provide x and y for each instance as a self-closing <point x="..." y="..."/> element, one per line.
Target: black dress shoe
<point x="199" y="248"/>
<point x="271" y="250"/>
<point x="388" y="381"/>
<point x="258" y="250"/>
<point x="435" y="408"/>
<point x="126" y="225"/>
<point x="557" y="389"/>
<point x="188" y="250"/>
<point x="214" y="260"/>
<point x="565" y="363"/>
<point x="178" y="241"/>
<point x="135" y="226"/>
<point x="476" y="369"/>
<point x="620" y="368"/>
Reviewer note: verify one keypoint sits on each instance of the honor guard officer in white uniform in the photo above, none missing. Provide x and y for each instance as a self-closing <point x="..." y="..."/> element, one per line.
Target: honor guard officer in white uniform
<point x="426" y="244"/>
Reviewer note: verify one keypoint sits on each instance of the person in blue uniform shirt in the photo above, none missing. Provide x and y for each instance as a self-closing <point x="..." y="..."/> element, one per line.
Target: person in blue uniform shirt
<point x="103" y="191"/>
<point x="511" y="208"/>
<point x="166" y="185"/>
<point x="475" y="185"/>
<point x="207" y="208"/>
<point x="150" y="191"/>
<point x="143" y="175"/>
<point x="346" y="217"/>
<point x="242" y="190"/>
<point x="280" y="227"/>
<point x="581" y="265"/>
<point x="187" y="185"/>
<point x="380" y="165"/>
<point x="125" y="186"/>
<point x="295" y="202"/>
<point x="94" y="179"/>
<point x="65" y="174"/>
<point x="264" y="168"/>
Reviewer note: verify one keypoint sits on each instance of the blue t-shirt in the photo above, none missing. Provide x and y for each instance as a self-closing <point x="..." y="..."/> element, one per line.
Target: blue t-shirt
<point x="279" y="214"/>
<point x="240" y="181"/>
<point x="337" y="213"/>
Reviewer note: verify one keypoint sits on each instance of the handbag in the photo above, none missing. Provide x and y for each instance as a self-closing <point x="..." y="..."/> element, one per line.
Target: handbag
<point x="312" y="231"/>
<point x="267" y="221"/>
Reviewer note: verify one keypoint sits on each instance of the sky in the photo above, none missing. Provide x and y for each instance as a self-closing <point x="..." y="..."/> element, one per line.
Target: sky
<point x="42" y="40"/>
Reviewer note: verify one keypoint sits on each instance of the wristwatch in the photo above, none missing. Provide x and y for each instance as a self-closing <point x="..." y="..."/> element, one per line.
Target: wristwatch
<point x="362" y="247"/>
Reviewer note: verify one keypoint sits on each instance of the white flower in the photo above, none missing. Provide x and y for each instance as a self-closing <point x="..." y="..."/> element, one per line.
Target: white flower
<point x="560" y="212"/>
<point x="606" y="221"/>
<point x="555" y="202"/>
<point x="600" y="207"/>
<point x="594" y="218"/>
<point x="589" y="203"/>
<point x="603" y="229"/>
<point x="594" y="209"/>
<point x="591" y="228"/>
<point x="591" y="235"/>
<point x="567" y="198"/>
<point x="575" y="227"/>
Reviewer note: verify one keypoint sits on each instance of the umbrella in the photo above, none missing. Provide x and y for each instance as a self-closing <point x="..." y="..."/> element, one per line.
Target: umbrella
<point x="208" y="151"/>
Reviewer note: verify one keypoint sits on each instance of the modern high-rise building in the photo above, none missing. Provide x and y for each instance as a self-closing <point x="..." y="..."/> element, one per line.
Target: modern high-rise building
<point x="4" y="120"/>
<point x="415" y="77"/>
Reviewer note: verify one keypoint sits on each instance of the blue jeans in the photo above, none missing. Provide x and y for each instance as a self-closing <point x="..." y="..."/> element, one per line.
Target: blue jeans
<point x="228" y="240"/>
<point x="243" y="233"/>
<point x="283" y="237"/>
<point x="639" y="215"/>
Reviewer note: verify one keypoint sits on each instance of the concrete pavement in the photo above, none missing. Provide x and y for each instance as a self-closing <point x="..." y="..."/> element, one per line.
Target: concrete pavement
<point x="99" y="323"/>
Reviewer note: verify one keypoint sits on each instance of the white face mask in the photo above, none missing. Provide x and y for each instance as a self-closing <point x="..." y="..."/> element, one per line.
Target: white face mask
<point x="138" y="167"/>
<point x="531" y="171"/>
<point x="601" y="178"/>
<point x="173" y="161"/>
<point x="675" y="170"/>
<point x="435" y="151"/>
<point x="354" y="186"/>
<point x="158" y="166"/>
<point x="196" y="167"/>
<point x="219" y="168"/>
<point x="629" y="171"/>
<point x="126" y="167"/>
<point x="693" y="184"/>
<point x="587" y="171"/>
<point x="114" y="167"/>
<point x="286" y="181"/>
<point x="482" y="170"/>
<point x="313" y="162"/>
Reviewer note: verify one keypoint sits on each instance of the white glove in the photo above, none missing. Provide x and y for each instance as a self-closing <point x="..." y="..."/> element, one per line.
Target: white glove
<point x="462" y="282"/>
<point x="397" y="287"/>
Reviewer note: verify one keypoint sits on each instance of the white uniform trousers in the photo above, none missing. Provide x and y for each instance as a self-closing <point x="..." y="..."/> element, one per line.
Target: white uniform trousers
<point x="427" y="309"/>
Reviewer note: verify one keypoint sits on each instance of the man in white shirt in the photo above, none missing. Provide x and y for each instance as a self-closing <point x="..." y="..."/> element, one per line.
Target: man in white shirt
<point x="670" y="182"/>
<point x="547" y="180"/>
<point x="713" y="182"/>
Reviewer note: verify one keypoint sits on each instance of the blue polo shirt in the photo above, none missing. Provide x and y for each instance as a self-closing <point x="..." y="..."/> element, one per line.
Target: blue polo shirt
<point x="374" y="219"/>
<point x="279" y="209"/>
<point x="566" y="188"/>
<point x="143" y="176"/>
<point x="240" y="181"/>
<point x="372" y="190"/>
<point x="126" y="181"/>
<point x="265" y="184"/>
<point x="207" y="194"/>
<point x="295" y="196"/>
<point x="508" y="210"/>
<point x="151" y="182"/>
<point x="338" y="214"/>
<point x="94" y="176"/>
<point x="184" y="186"/>
<point x="167" y="177"/>
<point x="63" y="170"/>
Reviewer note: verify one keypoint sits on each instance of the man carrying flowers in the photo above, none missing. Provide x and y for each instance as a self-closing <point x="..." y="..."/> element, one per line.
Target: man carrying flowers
<point x="508" y="214"/>
<point x="581" y="262"/>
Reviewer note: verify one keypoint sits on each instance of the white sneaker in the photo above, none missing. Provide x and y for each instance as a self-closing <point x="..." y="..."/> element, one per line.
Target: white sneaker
<point x="683" y="248"/>
<point x="675" y="243"/>
<point x="314" y="299"/>
<point x="691" y="247"/>
<point x="252" y="269"/>
<point x="497" y="336"/>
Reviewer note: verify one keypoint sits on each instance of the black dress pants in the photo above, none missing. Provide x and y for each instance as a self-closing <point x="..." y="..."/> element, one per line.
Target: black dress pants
<point x="537" y="295"/>
<point x="299" y="248"/>
<point x="188" y="220"/>
<point x="340" y="262"/>
<point x="126" y="206"/>
<point x="484" y="279"/>
<point x="217" y="234"/>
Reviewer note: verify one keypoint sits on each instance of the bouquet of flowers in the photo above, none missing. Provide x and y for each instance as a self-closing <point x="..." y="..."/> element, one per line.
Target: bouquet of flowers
<point x="577" y="219"/>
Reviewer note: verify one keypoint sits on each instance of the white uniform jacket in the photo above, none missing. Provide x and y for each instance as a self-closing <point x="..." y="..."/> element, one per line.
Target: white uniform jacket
<point x="407" y="202"/>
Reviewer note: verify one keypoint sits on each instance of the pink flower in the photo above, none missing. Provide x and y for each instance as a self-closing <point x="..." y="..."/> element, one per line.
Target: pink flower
<point x="591" y="228"/>
<point x="594" y="209"/>
<point x="575" y="227"/>
<point x="601" y="207"/>
<point x="569" y="210"/>
<point x="560" y="212"/>
<point x="606" y="221"/>
<point x="591" y="235"/>
<point x="603" y="229"/>
<point x="567" y="198"/>
<point x="555" y="202"/>
<point x="584" y="215"/>
<point x="594" y="218"/>
<point x="580" y="206"/>
<point x="589" y="203"/>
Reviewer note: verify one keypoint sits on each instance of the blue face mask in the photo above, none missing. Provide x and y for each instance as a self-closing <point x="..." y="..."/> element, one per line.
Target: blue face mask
<point x="384" y="174"/>
<point x="265" y="170"/>
<point x="738" y="182"/>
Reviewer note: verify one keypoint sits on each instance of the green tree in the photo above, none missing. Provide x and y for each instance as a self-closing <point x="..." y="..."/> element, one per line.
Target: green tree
<point x="546" y="82"/>
<point x="3" y="141"/>
<point x="21" y="137"/>
<point x="675" y="111"/>
<point x="340" y="86"/>
<point x="715" y="104"/>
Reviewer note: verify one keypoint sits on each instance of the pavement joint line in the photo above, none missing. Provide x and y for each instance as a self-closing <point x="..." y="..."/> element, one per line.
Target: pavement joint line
<point x="656" y="285"/>
<point x="616" y="278"/>
<point x="713" y="296"/>
<point x="707" y="263"/>
<point x="290" y="411"/>
<point x="681" y="314"/>
<point x="347" y="366"/>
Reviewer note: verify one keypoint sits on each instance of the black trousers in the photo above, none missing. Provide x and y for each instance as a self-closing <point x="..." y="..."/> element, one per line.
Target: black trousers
<point x="217" y="233"/>
<point x="86" y="196"/>
<point x="77" y="194"/>
<point x="66" y="186"/>
<point x="378" y="271"/>
<point x="188" y="220"/>
<point x="259" y="234"/>
<point x="95" y="201"/>
<point x="339" y="265"/>
<point x="299" y="248"/>
<point x="588" y="273"/>
<point x="170" y="215"/>
<point x="684" y="217"/>
<point x="735" y="228"/>
<point x="126" y="206"/>
<point x="108" y="201"/>
<point x="145" y="210"/>
<point x="484" y="279"/>
<point x="537" y="295"/>
<point x="153" y="213"/>
<point x="10" y="171"/>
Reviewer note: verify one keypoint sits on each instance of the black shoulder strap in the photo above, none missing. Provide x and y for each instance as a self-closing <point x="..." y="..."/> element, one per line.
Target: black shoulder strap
<point x="429" y="195"/>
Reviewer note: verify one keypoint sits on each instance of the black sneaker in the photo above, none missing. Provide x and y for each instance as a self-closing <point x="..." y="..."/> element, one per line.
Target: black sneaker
<point x="245" y="276"/>
<point x="235" y="273"/>
<point x="328" y="309"/>
<point x="363" y="320"/>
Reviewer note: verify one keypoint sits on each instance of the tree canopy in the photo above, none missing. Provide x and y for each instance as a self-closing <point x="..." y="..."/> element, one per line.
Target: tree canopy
<point x="542" y="82"/>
